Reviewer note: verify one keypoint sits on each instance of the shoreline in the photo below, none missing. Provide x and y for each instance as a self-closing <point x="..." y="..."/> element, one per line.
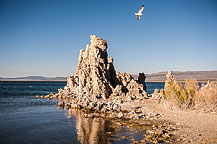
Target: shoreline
<point x="170" y="126"/>
<point x="34" y="80"/>
<point x="200" y="81"/>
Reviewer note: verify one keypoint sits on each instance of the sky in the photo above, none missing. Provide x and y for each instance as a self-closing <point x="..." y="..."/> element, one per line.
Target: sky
<point x="44" y="37"/>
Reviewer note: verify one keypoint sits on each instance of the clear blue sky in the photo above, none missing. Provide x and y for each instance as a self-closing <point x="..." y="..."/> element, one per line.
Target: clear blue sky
<point x="44" y="37"/>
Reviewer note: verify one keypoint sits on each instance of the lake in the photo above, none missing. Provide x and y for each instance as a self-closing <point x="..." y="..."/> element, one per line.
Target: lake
<point x="25" y="119"/>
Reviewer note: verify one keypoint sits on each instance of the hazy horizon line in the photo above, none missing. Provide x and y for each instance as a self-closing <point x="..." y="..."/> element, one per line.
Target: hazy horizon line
<point x="120" y="72"/>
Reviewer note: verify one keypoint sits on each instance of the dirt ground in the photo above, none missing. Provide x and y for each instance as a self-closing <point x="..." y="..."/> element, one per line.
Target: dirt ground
<point x="197" y="127"/>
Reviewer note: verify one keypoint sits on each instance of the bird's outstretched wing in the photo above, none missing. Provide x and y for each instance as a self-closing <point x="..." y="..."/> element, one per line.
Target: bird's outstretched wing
<point x="141" y="9"/>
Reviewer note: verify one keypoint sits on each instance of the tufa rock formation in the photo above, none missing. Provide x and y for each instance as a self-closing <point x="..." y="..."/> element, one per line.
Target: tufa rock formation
<point x="96" y="77"/>
<point x="96" y="87"/>
<point x="170" y="81"/>
<point x="169" y="76"/>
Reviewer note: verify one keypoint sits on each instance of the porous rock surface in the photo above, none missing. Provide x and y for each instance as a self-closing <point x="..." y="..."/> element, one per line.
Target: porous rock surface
<point x="96" y="76"/>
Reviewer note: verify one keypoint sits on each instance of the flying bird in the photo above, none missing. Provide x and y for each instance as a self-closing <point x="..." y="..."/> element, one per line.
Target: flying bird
<point x="139" y="14"/>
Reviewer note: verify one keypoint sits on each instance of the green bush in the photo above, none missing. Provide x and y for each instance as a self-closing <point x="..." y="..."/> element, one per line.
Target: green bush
<point x="180" y="95"/>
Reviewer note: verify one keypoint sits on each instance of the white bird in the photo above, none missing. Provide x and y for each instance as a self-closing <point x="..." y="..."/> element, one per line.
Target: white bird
<point x="139" y="14"/>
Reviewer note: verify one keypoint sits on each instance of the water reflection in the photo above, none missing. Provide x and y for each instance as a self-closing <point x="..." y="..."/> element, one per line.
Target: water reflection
<point x="100" y="130"/>
<point x="91" y="130"/>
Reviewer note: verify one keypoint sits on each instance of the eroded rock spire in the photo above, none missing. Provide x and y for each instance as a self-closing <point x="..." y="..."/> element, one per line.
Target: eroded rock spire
<point x="96" y="77"/>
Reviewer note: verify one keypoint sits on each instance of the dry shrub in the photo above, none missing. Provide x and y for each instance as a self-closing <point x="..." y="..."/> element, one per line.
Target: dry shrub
<point x="178" y="95"/>
<point x="191" y="86"/>
<point x="206" y="97"/>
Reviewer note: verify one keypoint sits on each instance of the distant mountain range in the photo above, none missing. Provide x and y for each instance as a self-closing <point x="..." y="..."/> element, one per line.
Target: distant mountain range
<point x="34" y="78"/>
<point x="198" y="75"/>
<point x="160" y="76"/>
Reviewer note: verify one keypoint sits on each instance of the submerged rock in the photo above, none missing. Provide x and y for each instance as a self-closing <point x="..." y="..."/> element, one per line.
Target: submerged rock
<point x="61" y="103"/>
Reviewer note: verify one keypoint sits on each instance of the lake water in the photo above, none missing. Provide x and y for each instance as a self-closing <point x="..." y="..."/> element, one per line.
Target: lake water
<point x="25" y="119"/>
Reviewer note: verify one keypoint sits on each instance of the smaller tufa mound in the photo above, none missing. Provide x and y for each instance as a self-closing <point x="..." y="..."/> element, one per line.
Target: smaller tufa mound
<point x="206" y="97"/>
<point x="141" y="80"/>
<point x="170" y="76"/>
<point x="96" y="77"/>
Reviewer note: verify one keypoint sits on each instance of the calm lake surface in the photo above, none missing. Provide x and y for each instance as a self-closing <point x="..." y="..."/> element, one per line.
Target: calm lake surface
<point x="25" y="119"/>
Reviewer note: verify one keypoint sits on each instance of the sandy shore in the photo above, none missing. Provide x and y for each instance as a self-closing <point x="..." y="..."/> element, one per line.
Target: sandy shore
<point x="197" y="127"/>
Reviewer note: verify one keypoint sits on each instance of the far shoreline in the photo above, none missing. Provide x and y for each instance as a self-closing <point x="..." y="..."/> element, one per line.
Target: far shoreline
<point x="23" y="80"/>
<point x="33" y="80"/>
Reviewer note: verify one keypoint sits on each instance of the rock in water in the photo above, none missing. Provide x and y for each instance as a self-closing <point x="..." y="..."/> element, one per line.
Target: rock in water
<point x="96" y="77"/>
<point x="95" y="74"/>
<point x="61" y="103"/>
<point x="141" y="80"/>
<point x="97" y="87"/>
